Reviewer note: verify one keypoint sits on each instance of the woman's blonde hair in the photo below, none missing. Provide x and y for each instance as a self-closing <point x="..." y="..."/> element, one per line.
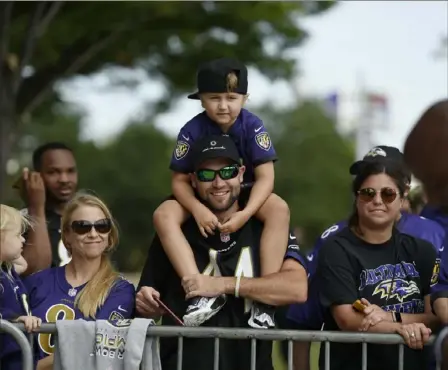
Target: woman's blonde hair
<point x="232" y="82"/>
<point x="94" y="294"/>
<point x="12" y="219"/>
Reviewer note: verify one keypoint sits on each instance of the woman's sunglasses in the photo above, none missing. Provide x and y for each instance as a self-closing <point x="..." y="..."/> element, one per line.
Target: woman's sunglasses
<point x="82" y="227"/>
<point x="388" y="195"/>
<point x="225" y="173"/>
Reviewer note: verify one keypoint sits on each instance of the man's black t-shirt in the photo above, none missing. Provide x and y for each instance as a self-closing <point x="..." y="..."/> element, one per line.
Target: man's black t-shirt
<point x="395" y="275"/>
<point x="236" y="255"/>
<point x="59" y="252"/>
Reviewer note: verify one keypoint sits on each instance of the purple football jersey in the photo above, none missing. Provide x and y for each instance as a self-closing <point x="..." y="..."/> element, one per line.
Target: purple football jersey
<point x="52" y="298"/>
<point x="13" y="303"/>
<point x="440" y="276"/>
<point x="309" y="315"/>
<point x="248" y="132"/>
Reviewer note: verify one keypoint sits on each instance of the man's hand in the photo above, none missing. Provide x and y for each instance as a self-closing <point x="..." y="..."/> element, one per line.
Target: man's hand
<point x="199" y="285"/>
<point x="35" y="189"/>
<point x="206" y="220"/>
<point x="235" y="222"/>
<point x="415" y="335"/>
<point x="146" y="305"/>
<point x="373" y="315"/>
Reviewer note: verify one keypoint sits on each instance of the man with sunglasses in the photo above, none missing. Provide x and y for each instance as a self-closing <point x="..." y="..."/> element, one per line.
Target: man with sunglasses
<point x="309" y="316"/>
<point x="230" y="266"/>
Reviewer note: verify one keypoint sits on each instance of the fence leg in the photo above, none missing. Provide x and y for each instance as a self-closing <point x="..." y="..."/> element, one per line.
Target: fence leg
<point x="253" y="354"/>
<point x="216" y="355"/>
<point x="22" y="341"/>
<point x="180" y="352"/>
<point x="290" y="354"/>
<point x="327" y="355"/>
<point x="400" y="356"/>
<point x="364" y="356"/>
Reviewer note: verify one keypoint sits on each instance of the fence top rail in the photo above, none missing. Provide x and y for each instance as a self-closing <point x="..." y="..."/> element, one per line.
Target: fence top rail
<point x="272" y="334"/>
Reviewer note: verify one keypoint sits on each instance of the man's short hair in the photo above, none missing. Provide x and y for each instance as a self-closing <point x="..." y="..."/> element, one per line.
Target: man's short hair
<point x="41" y="150"/>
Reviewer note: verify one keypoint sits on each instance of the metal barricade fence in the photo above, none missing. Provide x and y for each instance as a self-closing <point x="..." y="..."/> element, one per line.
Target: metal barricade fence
<point x="240" y="333"/>
<point x="18" y="335"/>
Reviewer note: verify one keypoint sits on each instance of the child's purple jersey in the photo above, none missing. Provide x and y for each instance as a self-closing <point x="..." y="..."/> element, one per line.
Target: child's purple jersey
<point x="52" y="298"/>
<point x="13" y="303"/>
<point x="248" y="132"/>
<point x="309" y="315"/>
<point x="440" y="290"/>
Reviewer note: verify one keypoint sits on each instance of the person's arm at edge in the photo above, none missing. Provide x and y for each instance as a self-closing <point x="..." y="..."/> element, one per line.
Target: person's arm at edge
<point x="289" y="285"/>
<point x="262" y="188"/>
<point x="37" y="251"/>
<point x="440" y="307"/>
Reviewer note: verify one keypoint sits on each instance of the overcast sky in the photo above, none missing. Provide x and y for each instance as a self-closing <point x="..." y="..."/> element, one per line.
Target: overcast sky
<point x="384" y="46"/>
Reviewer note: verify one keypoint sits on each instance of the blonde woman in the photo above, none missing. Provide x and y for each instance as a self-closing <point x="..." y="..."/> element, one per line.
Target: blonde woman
<point x="13" y="295"/>
<point x="87" y="287"/>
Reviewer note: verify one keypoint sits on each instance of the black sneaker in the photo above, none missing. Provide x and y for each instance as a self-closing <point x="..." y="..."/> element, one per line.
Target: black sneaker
<point x="201" y="309"/>
<point x="262" y="316"/>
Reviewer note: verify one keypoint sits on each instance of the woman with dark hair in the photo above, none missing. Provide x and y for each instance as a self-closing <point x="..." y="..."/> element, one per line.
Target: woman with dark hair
<point x="388" y="272"/>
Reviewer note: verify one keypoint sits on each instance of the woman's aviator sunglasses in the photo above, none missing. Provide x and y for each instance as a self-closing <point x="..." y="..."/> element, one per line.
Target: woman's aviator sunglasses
<point x="388" y="195"/>
<point x="225" y="173"/>
<point x="83" y="227"/>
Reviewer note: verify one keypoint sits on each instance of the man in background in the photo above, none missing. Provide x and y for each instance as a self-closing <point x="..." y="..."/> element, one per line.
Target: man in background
<point x="426" y="153"/>
<point x="46" y="190"/>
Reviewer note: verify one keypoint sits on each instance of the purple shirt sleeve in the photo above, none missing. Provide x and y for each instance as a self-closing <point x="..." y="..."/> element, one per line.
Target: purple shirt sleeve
<point x="120" y="303"/>
<point x="293" y="251"/>
<point x="312" y="256"/>
<point x="439" y="281"/>
<point x="37" y="289"/>
<point x="180" y="159"/>
<point x="258" y="143"/>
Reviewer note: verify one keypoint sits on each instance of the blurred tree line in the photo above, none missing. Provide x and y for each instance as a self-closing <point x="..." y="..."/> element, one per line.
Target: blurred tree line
<point x="130" y="172"/>
<point x="44" y="44"/>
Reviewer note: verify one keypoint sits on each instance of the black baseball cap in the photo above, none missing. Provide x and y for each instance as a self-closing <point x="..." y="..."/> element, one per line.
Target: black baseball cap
<point x="214" y="146"/>
<point x="212" y="77"/>
<point x="378" y="153"/>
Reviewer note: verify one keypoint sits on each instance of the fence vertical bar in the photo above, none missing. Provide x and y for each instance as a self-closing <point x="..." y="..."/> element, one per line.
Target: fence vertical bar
<point x="216" y="355"/>
<point x="253" y="354"/>
<point x="180" y="352"/>
<point x="22" y="341"/>
<point x="400" y="356"/>
<point x="364" y="356"/>
<point x="327" y="355"/>
<point x="290" y="354"/>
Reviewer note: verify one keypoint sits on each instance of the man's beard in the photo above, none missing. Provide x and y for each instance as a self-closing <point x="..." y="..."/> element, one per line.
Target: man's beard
<point x="232" y="199"/>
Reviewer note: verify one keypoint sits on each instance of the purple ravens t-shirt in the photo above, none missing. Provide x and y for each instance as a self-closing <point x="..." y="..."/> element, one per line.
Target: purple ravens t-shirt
<point x="440" y="290"/>
<point x="52" y="298"/>
<point x="309" y="315"/>
<point x="13" y="303"/>
<point x="248" y="132"/>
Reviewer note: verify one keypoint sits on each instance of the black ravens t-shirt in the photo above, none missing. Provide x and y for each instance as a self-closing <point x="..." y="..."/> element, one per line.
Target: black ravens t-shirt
<point x="237" y="254"/>
<point x="395" y="275"/>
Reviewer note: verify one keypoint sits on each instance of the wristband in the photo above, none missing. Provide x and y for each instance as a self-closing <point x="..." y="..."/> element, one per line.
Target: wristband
<point x="237" y="286"/>
<point x="397" y="317"/>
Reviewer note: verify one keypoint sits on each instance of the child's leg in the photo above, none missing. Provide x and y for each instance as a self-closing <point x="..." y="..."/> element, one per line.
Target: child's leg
<point x="274" y="240"/>
<point x="168" y="218"/>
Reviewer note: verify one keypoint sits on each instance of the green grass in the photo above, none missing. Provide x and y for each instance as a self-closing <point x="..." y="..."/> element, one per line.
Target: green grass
<point x="280" y="364"/>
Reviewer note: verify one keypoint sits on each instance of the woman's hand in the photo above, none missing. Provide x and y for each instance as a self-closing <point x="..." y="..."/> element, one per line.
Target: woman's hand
<point x="415" y="335"/>
<point x="373" y="315"/>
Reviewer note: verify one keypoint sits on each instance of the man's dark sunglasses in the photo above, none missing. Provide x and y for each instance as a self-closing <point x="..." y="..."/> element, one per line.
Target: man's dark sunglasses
<point x="82" y="227"/>
<point x="388" y="195"/>
<point x="225" y="173"/>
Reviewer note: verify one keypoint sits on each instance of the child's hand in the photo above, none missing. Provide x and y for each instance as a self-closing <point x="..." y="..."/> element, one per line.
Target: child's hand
<point x="234" y="223"/>
<point x="31" y="322"/>
<point x="206" y="220"/>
